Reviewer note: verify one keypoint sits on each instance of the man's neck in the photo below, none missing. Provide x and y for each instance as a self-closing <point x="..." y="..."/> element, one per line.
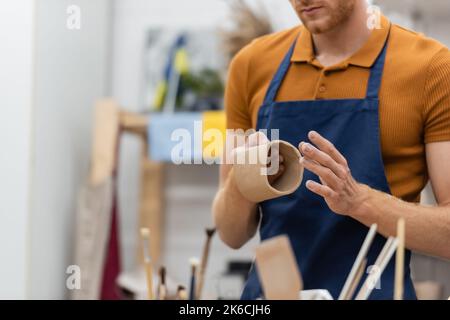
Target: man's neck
<point x="343" y="41"/>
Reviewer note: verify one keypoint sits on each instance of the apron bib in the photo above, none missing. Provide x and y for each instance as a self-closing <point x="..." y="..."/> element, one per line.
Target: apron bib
<point x="325" y="243"/>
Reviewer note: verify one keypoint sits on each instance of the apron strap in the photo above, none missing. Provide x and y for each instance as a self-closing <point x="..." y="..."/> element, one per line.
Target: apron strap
<point x="376" y="74"/>
<point x="279" y="76"/>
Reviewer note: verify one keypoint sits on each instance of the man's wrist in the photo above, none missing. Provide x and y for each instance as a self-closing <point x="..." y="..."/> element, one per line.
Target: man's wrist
<point x="363" y="208"/>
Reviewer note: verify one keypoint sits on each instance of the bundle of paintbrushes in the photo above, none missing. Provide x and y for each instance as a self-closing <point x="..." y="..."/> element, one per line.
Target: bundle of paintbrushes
<point x="392" y="245"/>
<point x="281" y="279"/>
<point x="197" y="272"/>
<point x="280" y="246"/>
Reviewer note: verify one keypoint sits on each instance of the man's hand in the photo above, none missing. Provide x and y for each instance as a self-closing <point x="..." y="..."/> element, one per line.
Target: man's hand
<point x="339" y="189"/>
<point x="427" y="228"/>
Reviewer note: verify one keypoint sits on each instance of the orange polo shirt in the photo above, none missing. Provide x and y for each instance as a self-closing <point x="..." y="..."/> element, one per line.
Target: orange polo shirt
<point x="414" y="94"/>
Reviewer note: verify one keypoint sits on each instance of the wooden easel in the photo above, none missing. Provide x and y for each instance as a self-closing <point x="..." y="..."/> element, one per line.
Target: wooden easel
<point x="110" y="122"/>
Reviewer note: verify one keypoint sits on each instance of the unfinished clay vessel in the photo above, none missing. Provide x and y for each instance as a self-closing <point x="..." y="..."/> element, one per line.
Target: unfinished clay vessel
<point x="251" y="166"/>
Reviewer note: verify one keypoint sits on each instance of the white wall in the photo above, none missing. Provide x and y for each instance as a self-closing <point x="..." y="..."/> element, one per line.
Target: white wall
<point x="438" y="29"/>
<point x="432" y="19"/>
<point x="72" y="69"/>
<point x="16" y="65"/>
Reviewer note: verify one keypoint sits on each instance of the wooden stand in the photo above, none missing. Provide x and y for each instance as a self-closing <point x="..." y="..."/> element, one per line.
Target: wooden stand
<point x="152" y="178"/>
<point x="110" y="123"/>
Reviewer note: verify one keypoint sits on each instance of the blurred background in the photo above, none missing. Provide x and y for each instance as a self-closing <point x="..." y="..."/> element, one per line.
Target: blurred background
<point x="71" y="161"/>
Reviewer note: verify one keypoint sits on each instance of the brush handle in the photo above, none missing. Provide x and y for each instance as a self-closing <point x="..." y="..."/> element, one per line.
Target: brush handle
<point x="201" y="280"/>
<point x="386" y="254"/>
<point x="182" y="295"/>
<point x="356" y="280"/>
<point x="162" y="292"/>
<point x="149" y="275"/>
<point x="400" y="261"/>
<point x="192" y="288"/>
<point x="359" y="260"/>
<point x="201" y="275"/>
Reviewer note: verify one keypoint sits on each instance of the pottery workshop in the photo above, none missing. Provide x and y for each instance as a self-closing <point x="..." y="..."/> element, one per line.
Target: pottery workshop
<point x="225" y="150"/>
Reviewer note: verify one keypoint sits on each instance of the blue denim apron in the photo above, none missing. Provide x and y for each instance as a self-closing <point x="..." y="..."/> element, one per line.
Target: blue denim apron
<point x="325" y="243"/>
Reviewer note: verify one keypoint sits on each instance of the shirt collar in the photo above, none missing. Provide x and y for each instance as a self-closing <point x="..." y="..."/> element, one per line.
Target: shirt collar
<point x="364" y="57"/>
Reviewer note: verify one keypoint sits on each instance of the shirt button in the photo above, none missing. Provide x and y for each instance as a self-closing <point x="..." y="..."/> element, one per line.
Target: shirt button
<point x="322" y="89"/>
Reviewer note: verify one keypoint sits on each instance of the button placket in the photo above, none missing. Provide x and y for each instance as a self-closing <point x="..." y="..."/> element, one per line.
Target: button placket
<point x="321" y="89"/>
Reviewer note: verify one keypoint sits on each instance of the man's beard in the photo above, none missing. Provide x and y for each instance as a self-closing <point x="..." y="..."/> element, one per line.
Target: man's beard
<point x="333" y="17"/>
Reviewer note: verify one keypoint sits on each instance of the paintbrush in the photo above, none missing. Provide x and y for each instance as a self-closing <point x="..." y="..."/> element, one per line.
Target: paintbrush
<point x="204" y="262"/>
<point x="400" y="260"/>
<point x="356" y="280"/>
<point x="344" y="295"/>
<point x="181" y="293"/>
<point x="162" y="289"/>
<point x="380" y="264"/>
<point x="194" y="265"/>
<point x="145" y="235"/>
<point x="384" y="251"/>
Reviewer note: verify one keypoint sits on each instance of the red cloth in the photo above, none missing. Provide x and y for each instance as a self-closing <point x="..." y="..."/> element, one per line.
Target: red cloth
<point x="111" y="269"/>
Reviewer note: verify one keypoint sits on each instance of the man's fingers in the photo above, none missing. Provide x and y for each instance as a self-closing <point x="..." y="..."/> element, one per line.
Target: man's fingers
<point x="320" y="189"/>
<point x="324" y="173"/>
<point x="312" y="153"/>
<point x="327" y="147"/>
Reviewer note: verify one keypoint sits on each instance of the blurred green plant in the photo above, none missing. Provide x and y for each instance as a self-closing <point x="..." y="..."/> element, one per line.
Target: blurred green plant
<point x="200" y="91"/>
<point x="205" y="83"/>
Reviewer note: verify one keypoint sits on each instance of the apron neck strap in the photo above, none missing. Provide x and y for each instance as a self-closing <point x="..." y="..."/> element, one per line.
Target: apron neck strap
<point x="279" y="76"/>
<point x="376" y="73"/>
<point x="373" y="86"/>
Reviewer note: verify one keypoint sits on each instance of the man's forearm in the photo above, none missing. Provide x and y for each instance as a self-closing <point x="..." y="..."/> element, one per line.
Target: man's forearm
<point x="427" y="228"/>
<point x="235" y="217"/>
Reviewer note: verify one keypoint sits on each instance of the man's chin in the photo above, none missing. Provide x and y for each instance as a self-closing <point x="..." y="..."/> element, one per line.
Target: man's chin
<point x="317" y="27"/>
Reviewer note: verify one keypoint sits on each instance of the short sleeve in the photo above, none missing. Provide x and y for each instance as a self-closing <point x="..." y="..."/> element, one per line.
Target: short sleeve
<point x="236" y="93"/>
<point x="437" y="98"/>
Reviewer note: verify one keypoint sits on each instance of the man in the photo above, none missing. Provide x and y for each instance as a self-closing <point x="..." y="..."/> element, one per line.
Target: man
<point x="370" y="112"/>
